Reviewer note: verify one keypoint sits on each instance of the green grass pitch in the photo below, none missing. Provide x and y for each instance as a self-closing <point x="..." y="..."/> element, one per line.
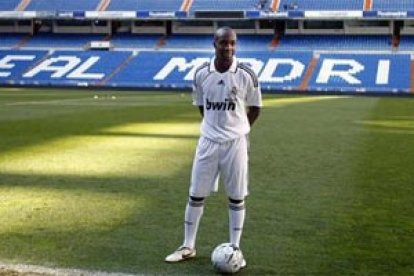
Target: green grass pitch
<point x="98" y="181"/>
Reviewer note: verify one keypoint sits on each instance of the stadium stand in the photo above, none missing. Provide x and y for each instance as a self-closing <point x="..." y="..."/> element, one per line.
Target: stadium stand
<point x="21" y="62"/>
<point x="350" y="47"/>
<point x="254" y="42"/>
<point x="64" y="68"/>
<point x="277" y="71"/>
<point x="8" y="40"/>
<point x="406" y="43"/>
<point x="321" y="5"/>
<point x="220" y="5"/>
<point x="188" y="41"/>
<point x="147" y="5"/>
<point x="62" y="5"/>
<point x="48" y="40"/>
<point x="387" y="5"/>
<point x="370" y="75"/>
<point x="335" y="42"/>
<point x="136" y="41"/>
<point x="9" y="5"/>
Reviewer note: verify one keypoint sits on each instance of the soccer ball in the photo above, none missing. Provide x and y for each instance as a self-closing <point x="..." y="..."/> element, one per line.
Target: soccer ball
<point x="227" y="258"/>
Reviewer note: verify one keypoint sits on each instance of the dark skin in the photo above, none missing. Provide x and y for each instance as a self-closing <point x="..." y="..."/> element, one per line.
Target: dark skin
<point x="225" y="40"/>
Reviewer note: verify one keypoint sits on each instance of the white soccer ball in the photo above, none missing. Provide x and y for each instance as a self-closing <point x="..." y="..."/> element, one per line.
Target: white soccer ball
<point x="227" y="258"/>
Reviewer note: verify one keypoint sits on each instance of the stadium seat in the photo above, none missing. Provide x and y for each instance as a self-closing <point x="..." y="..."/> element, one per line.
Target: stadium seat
<point x="387" y="5"/>
<point x="135" y="41"/>
<point x="332" y="42"/>
<point x="146" y="5"/>
<point x="47" y="40"/>
<point x="321" y="5"/>
<point x="9" y="5"/>
<point x="61" y="5"/>
<point x="220" y="5"/>
<point x="188" y="41"/>
<point x="8" y="40"/>
<point x="406" y="43"/>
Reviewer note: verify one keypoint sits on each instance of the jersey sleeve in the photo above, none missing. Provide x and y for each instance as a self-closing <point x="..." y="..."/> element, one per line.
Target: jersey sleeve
<point x="197" y="90"/>
<point x="254" y="93"/>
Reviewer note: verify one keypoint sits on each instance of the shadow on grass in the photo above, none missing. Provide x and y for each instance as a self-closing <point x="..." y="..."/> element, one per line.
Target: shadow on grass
<point x="137" y="243"/>
<point x="22" y="133"/>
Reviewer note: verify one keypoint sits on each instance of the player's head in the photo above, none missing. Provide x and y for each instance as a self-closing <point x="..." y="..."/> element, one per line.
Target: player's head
<point x="225" y="40"/>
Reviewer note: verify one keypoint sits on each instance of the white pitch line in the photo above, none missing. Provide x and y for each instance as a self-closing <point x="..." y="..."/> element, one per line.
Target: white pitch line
<point x="48" y="271"/>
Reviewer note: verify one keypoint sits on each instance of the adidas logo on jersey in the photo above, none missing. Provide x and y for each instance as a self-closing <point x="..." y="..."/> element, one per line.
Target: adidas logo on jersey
<point x="228" y="104"/>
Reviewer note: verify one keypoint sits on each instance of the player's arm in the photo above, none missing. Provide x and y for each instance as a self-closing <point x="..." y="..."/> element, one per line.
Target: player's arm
<point x="201" y="108"/>
<point x="198" y="99"/>
<point x="253" y="113"/>
<point x="253" y="96"/>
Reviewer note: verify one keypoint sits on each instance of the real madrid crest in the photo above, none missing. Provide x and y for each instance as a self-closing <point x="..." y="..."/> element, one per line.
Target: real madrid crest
<point x="233" y="93"/>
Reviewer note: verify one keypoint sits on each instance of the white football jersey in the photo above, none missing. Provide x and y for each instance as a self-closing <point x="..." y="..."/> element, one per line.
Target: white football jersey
<point x="225" y="97"/>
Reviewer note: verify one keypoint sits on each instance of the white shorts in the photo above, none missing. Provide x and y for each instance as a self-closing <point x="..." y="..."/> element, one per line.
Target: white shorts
<point x="229" y="159"/>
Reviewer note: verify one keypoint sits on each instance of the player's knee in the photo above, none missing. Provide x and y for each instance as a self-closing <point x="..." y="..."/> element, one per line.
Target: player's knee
<point x="196" y="199"/>
<point x="236" y="201"/>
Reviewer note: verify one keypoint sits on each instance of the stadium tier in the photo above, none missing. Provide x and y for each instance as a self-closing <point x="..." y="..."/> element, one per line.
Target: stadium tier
<point x="321" y="5"/>
<point x="337" y="42"/>
<point x="349" y="46"/>
<point x="254" y="42"/>
<point x="206" y="5"/>
<point x="406" y="43"/>
<point x="149" y="5"/>
<point x="188" y="41"/>
<point x="62" y="5"/>
<point x="204" y="42"/>
<point x="9" y="5"/>
<point x="46" y="40"/>
<point x="10" y="40"/>
<point x="387" y="5"/>
<point x="277" y="71"/>
<point x="136" y="41"/>
<point x="220" y="5"/>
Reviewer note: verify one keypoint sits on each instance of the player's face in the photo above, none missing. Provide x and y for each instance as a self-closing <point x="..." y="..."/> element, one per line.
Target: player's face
<point x="225" y="45"/>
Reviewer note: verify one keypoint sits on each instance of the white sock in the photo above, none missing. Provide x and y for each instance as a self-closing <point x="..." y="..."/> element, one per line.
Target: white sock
<point x="193" y="214"/>
<point x="237" y="213"/>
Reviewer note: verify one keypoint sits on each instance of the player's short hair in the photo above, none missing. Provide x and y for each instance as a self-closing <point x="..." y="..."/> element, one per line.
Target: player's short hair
<point x="222" y="31"/>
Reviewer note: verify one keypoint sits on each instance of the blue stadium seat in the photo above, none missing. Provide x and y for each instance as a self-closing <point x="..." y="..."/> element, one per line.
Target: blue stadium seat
<point x="365" y="77"/>
<point x="254" y="42"/>
<point x="146" y="5"/>
<point x="348" y="72"/>
<point x="332" y="42"/>
<point x="184" y="41"/>
<point x="62" y="5"/>
<point x="25" y="60"/>
<point x="10" y="40"/>
<point x="105" y="63"/>
<point x="127" y="40"/>
<point x="245" y="42"/>
<point x="406" y="43"/>
<point x="62" y="40"/>
<point x="225" y="5"/>
<point x="321" y="5"/>
<point x="387" y="5"/>
<point x="9" y="5"/>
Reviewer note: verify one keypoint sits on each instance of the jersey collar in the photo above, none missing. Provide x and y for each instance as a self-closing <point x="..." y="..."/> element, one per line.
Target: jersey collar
<point x="232" y="68"/>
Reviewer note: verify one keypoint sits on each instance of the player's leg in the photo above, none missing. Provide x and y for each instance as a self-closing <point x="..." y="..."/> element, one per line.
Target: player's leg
<point x="234" y="164"/>
<point x="193" y="213"/>
<point x="237" y="214"/>
<point x="203" y="178"/>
